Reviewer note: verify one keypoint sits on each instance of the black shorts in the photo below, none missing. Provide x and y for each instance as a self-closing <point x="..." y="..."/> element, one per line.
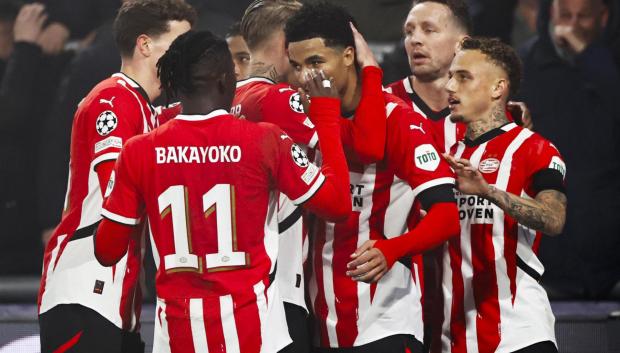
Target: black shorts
<point x="540" y="347"/>
<point x="76" y="329"/>
<point x="297" y="322"/>
<point x="391" y="344"/>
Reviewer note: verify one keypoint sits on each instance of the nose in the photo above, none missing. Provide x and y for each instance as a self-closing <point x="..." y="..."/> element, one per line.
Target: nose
<point x="450" y="85"/>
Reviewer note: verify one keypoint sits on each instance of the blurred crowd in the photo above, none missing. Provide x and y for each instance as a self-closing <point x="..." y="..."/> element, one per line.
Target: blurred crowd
<point x="53" y="52"/>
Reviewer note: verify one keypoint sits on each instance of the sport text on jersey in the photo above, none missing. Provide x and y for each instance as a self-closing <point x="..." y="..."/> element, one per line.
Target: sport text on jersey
<point x="198" y="154"/>
<point x="476" y="209"/>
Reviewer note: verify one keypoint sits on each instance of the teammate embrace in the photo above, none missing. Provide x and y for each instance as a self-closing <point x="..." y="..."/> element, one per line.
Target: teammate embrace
<point x="295" y="195"/>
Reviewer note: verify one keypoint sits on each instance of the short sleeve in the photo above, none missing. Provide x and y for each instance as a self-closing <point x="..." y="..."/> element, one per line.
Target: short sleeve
<point x="546" y="167"/>
<point x="411" y="151"/>
<point x="283" y="107"/>
<point x="114" y="116"/>
<point x="293" y="173"/>
<point x="123" y="203"/>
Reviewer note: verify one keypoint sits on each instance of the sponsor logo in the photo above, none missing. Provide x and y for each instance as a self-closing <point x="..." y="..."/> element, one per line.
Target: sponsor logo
<point x="98" y="287"/>
<point x="558" y="164"/>
<point x="106" y="123"/>
<point x="475" y="209"/>
<point x="299" y="156"/>
<point x="295" y="103"/>
<point x="416" y="127"/>
<point x="489" y="165"/>
<point x="310" y="173"/>
<point x="426" y="157"/>
<point x="109" y="142"/>
<point x="105" y="101"/>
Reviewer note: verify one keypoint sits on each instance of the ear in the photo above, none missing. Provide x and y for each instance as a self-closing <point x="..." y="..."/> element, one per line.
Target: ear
<point x="348" y="55"/>
<point x="500" y="89"/>
<point x="144" y="45"/>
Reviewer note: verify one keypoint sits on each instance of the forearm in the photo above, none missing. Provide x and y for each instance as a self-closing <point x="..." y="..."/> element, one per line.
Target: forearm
<point x="111" y="242"/>
<point x="546" y="214"/>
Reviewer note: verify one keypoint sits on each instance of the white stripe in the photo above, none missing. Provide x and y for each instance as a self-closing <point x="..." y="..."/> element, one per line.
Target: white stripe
<point x="253" y="79"/>
<point x="449" y="134"/>
<point x="432" y="183"/>
<point x="501" y="267"/>
<point x="50" y="266"/>
<point x="508" y="127"/>
<point x="313" y="140"/>
<point x="467" y="271"/>
<point x="328" y="285"/>
<point x="460" y="149"/>
<point x="446" y="336"/>
<point x="401" y="198"/>
<point x="161" y="340"/>
<point x="213" y="114"/>
<point x="317" y="184"/>
<point x="227" y="312"/>
<point x="127" y="79"/>
<point x="197" y="323"/>
<point x="407" y="84"/>
<point x="104" y="157"/>
<point x="261" y="303"/>
<point x="363" y="234"/>
<point x="120" y="219"/>
<point x="389" y="108"/>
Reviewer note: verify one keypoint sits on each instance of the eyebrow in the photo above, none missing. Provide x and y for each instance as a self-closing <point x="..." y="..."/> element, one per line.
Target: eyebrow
<point x="313" y="57"/>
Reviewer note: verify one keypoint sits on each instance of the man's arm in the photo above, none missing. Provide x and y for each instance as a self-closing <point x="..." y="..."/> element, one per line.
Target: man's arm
<point x="545" y="213"/>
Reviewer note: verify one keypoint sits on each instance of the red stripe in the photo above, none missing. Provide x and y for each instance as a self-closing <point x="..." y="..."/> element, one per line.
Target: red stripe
<point x="320" y="305"/>
<point x="131" y="296"/>
<point x="436" y="317"/>
<point x="347" y="303"/>
<point x="212" y="318"/>
<point x="511" y="233"/>
<point x="376" y="221"/>
<point x="247" y="321"/>
<point x="70" y="343"/>
<point x="457" y="314"/>
<point x="179" y="326"/>
<point x="485" y="288"/>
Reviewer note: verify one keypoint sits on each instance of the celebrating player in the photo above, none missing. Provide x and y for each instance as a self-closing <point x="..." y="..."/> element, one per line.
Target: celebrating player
<point x="208" y="183"/>
<point x="239" y="50"/>
<point x="265" y="97"/>
<point x="511" y="189"/>
<point x="84" y="306"/>
<point x="354" y="316"/>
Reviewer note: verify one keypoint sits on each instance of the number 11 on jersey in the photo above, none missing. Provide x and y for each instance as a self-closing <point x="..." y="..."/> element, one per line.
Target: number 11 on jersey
<point x="219" y="199"/>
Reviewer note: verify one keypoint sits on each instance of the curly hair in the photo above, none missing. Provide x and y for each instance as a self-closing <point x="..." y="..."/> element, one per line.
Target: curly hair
<point x="500" y="54"/>
<point x="459" y="10"/>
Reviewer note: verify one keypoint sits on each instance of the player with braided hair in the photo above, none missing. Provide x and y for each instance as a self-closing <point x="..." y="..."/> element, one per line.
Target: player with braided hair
<point x="208" y="183"/>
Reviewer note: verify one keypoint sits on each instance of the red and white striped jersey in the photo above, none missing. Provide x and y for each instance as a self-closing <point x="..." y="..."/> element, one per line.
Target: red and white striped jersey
<point x="350" y="313"/>
<point x="259" y="99"/>
<point x="445" y="131"/>
<point x="114" y="111"/>
<point x="209" y="186"/>
<point x="492" y="301"/>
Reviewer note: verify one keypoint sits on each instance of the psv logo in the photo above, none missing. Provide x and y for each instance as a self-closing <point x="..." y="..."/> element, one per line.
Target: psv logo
<point x="489" y="165"/>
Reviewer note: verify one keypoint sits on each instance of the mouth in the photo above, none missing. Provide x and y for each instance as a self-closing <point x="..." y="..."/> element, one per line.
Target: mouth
<point x="419" y="57"/>
<point x="453" y="102"/>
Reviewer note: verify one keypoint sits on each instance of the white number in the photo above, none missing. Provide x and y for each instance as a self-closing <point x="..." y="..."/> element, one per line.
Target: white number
<point x="173" y="201"/>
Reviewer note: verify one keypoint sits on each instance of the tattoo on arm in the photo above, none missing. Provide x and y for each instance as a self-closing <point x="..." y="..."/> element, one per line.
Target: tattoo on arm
<point x="546" y="213"/>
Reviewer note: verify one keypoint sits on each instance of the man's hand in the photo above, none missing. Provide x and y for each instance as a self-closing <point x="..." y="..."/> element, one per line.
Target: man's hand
<point x="316" y="85"/>
<point x="570" y="38"/>
<point x="468" y="179"/>
<point x="519" y="109"/>
<point x="368" y="265"/>
<point x="29" y="23"/>
<point x="53" y="38"/>
<point x="364" y="55"/>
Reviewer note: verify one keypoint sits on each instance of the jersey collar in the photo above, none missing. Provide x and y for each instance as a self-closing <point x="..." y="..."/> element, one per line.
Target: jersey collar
<point x="242" y="83"/>
<point x="430" y="113"/>
<point x="213" y="114"/>
<point x="135" y="85"/>
<point x="489" y="135"/>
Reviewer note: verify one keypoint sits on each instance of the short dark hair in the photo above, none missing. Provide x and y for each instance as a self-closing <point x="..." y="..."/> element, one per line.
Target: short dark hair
<point x="150" y="17"/>
<point x="9" y="10"/>
<point x="234" y="30"/>
<point x="459" y="10"/>
<point x="500" y="54"/>
<point x="263" y="17"/>
<point x="321" y="20"/>
<point x="193" y="60"/>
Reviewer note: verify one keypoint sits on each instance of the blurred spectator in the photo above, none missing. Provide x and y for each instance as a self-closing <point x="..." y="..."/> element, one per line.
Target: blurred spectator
<point x="378" y="20"/>
<point x="493" y="18"/>
<point x="25" y="89"/>
<point x="525" y="18"/>
<point x="240" y="52"/>
<point x="571" y="86"/>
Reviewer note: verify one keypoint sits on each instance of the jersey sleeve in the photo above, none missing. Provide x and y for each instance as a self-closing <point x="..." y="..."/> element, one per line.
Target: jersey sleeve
<point x="546" y="167"/>
<point x="283" y="107"/>
<point x="292" y="171"/>
<point x="123" y="203"/>
<point x="411" y="151"/>
<point x="114" y="117"/>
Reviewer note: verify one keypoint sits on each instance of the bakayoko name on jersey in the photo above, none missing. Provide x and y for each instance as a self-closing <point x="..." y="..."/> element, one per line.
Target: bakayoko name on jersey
<point x="198" y="154"/>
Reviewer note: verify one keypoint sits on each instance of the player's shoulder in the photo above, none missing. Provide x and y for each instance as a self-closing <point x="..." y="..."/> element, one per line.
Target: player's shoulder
<point x="110" y="94"/>
<point x="396" y="85"/>
<point x="254" y="86"/>
<point x="398" y="109"/>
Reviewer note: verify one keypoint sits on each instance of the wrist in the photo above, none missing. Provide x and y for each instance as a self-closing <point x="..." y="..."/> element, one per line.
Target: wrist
<point x="488" y="191"/>
<point x="386" y="248"/>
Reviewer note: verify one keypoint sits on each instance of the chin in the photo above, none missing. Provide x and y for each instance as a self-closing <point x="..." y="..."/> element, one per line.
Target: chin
<point x="457" y="118"/>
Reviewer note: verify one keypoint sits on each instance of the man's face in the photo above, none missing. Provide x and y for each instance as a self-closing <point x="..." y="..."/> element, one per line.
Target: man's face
<point x="586" y="17"/>
<point x="431" y="38"/>
<point x="472" y="85"/>
<point x="6" y="39"/>
<point x="160" y="44"/>
<point x="240" y="55"/>
<point x="310" y="54"/>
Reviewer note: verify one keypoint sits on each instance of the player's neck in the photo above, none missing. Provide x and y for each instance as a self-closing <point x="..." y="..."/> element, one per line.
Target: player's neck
<point x="495" y="118"/>
<point x="143" y="77"/>
<point x="352" y="94"/>
<point x="263" y="65"/>
<point x="433" y="92"/>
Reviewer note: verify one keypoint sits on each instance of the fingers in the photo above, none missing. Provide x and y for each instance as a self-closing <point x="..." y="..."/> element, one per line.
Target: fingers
<point x="318" y="85"/>
<point x="305" y="101"/>
<point x="371" y="276"/>
<point x="368" y="244"/>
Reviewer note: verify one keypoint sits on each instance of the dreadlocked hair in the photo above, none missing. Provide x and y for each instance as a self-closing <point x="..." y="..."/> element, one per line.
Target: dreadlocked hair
<point x="193" y="60"/>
